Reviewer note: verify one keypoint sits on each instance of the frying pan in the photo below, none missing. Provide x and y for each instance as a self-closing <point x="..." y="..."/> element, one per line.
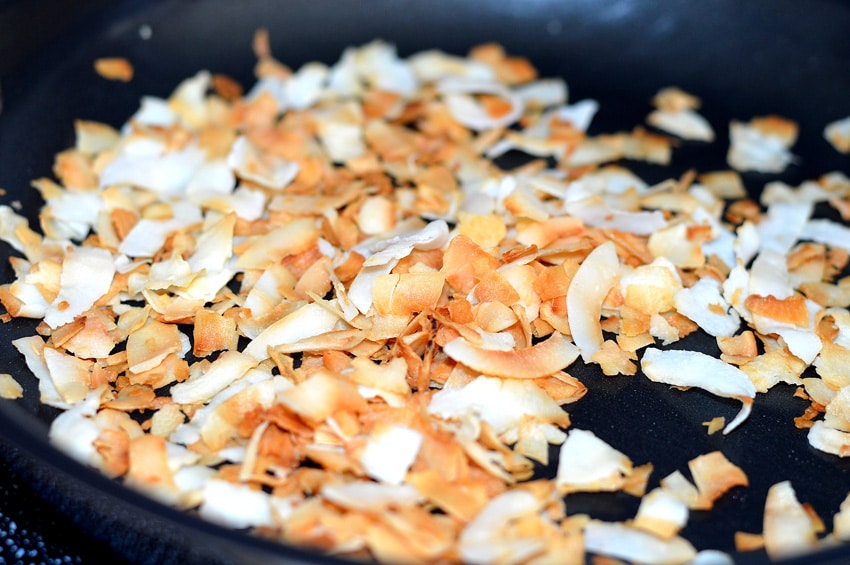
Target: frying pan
<point x="744" y="59"/>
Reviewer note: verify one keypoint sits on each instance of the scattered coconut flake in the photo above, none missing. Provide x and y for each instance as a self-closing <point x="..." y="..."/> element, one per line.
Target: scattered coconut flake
<point x="838" y="134"/>
<point x="788" y="528"/>
<point x="114" y="68"/>
<point x="625" y="542"/>
<point x="587" y="463"/>
<point x="691" y="368"/>
<point x="10" y="389"/>
<point x="761" y="146"/>
<point x="235" y="506"/>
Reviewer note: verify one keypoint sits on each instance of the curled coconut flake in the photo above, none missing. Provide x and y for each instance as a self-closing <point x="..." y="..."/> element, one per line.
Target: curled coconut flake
<point x="466" y="110"/>
<point x="588" y="289"/>
<point x="201" y="387"/>
<point x="264" y="169"/>
<point x="829" y="440"/>
<point x="691" y="368"/>
<point x="308" y="321"/>
<point x="540" y="360"/>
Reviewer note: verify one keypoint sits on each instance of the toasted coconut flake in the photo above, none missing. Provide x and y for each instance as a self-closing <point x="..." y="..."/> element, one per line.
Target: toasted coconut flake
<point x="714" y="475"/>
<point x="320" y="396"/>
<point x="533" y="362"/>
<point x="114" y="68"/>
<point x="149" y="345"/>
<point x="71" y="376"/>
<point x="788" y="529"/>
<point x="10" y="389"/>
<point x="838" y="134"/>
<point x="702" y="371"/>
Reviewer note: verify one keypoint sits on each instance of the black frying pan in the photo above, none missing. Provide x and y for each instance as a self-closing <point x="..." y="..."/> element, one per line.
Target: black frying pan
<point x="742" y="58"/>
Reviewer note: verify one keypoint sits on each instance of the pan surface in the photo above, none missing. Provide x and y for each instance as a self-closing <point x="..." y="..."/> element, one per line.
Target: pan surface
<point x="743" y="59"/>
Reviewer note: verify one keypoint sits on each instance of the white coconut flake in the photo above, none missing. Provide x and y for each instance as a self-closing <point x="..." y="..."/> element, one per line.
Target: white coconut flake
<point x="167" y="174"/>
<point x="691" y="368"/>
<point x="594" y="212"/>
<point x="482" y="540"/>
<point x="434" y="65"/>
<point x="154" y="112"/>
<point x="621" y="541"/>
<point x="75" y="430"/>
<point x="267" y="170"/>
<point x="704" y="304"/>
<point x="235" y="505"/>
<point x="684" y="123"/>
<point x="370" y="496"/>
<point x="751" y="149"/>
<point x="579" y="114"/>
<point x="585" y="461"/>
<point x="783" y="225"/>
<point x="307" y="321"/>
<point x="73" y="214"/>
<point x="465" y="109"/>
<point x="304" y="88"/>
<point x="788" y="528"/>
<point x="390" y="451"/>
<point x="201" y="387"/>
<point x="544" y="92"/>
<point x="590" y="285"/>
<point x="829" y="440"/>
<point x="503" y="403"/>
<point x="86" y="276"/>
<point x="827" y="232"/>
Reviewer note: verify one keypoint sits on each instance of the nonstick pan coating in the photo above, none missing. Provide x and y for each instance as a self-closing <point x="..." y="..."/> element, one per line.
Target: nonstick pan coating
<point x="743" y="59"/>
